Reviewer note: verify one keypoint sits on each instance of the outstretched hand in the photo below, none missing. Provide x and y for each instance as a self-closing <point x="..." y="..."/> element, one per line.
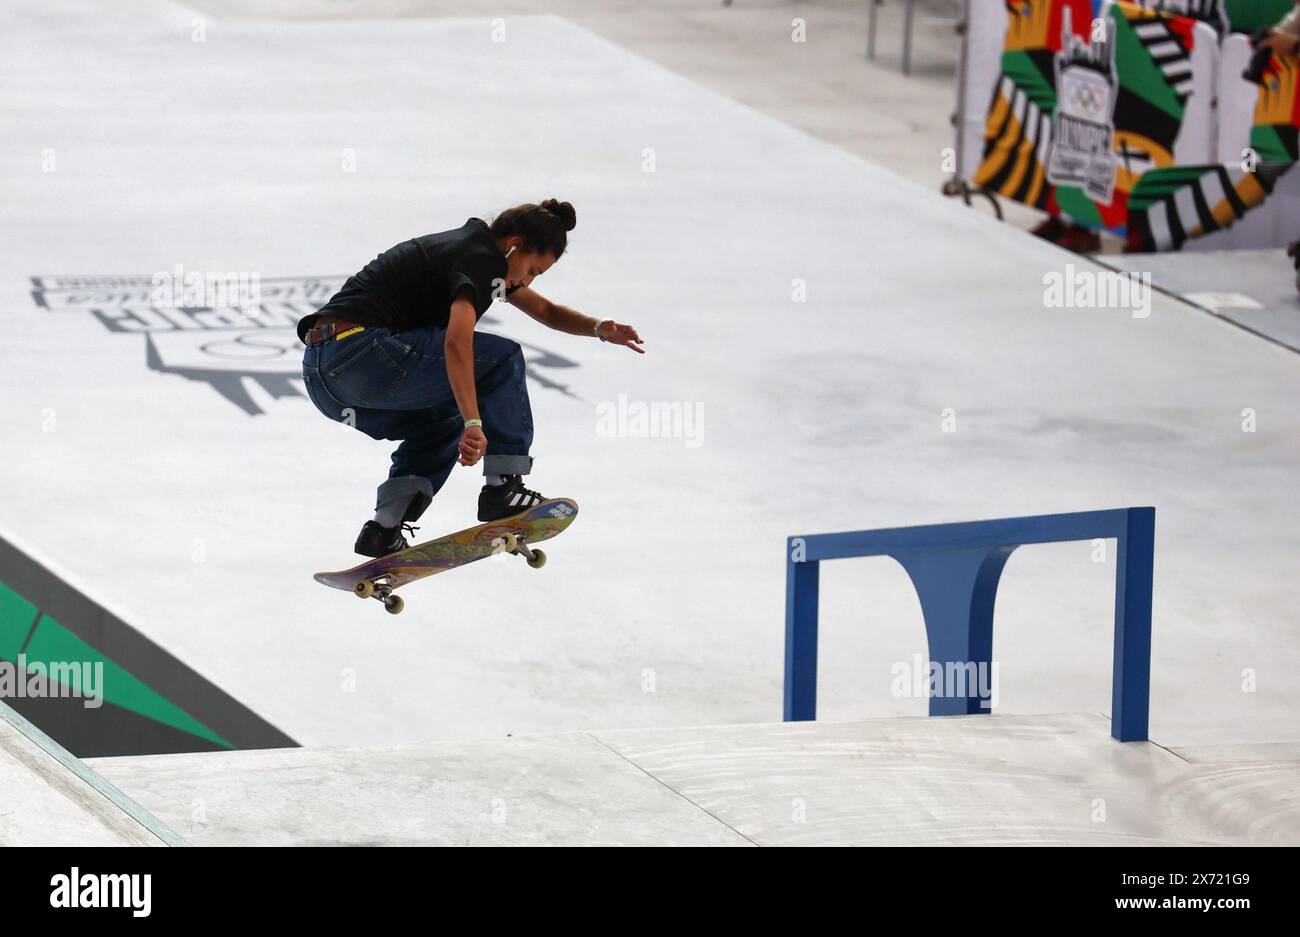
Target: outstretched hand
<point x="616" y="333"/>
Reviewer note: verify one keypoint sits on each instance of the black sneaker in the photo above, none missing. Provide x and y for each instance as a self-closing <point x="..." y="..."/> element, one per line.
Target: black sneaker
<point x="375" y="540"/>
<point x="506" y="500"/>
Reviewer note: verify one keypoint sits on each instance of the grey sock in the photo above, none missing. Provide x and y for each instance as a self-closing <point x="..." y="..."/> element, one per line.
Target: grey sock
<point x="494" y="480"/>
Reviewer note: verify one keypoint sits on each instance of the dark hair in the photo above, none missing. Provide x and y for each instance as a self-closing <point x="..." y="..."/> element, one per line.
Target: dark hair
<point x="543" y="227"/>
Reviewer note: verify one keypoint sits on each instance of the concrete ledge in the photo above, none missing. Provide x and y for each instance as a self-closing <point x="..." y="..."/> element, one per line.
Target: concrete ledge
<point x="52" y="799"/>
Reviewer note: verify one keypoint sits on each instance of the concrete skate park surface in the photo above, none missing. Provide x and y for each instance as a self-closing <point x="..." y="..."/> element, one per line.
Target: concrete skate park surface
<point x="1255" y="289"/>
<point x="52" y="799"/>
<point x="162" y="495"/>
<point x="962" y="780"/>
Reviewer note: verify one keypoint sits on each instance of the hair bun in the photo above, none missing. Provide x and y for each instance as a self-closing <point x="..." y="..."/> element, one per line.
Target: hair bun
<point x="562" y="210"/>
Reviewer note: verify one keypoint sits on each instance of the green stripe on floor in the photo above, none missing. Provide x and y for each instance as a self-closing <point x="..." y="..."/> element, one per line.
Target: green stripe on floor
<point x="16" y="617"/>
<point x="54" y="645"/>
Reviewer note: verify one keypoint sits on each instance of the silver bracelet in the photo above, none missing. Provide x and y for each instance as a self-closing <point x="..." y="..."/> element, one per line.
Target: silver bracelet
<point x="596" y="330"/>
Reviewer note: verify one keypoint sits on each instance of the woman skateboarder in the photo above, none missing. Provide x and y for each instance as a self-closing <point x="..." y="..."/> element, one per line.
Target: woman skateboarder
<point x="395" y="355"/>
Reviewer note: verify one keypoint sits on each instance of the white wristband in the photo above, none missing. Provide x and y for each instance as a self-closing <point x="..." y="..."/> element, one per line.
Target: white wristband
<point x="596" y="330"/>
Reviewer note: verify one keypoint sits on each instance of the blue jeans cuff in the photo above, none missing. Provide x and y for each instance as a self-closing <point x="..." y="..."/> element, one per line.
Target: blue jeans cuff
<point x="507" y="464"/>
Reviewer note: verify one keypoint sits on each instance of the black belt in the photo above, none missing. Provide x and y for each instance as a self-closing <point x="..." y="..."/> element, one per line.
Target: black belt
<point x="328" y="327"/>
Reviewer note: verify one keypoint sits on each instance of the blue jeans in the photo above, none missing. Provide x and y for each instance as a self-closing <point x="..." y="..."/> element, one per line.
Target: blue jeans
<point x="394" y="385"/>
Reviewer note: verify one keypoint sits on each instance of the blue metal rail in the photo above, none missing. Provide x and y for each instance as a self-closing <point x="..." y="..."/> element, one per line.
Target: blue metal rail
<point x="955" y="569"/>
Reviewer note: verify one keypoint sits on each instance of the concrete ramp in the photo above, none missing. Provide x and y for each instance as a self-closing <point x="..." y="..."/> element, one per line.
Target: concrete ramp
<point x="52" y="799"/>
<point x="978" y="780"/>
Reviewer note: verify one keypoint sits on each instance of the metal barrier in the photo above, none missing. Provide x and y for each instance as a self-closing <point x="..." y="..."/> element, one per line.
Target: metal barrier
<point x="955" y="569"/>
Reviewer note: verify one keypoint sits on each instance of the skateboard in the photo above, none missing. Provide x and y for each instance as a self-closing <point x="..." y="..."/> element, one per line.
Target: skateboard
<point x="378" y="578"/>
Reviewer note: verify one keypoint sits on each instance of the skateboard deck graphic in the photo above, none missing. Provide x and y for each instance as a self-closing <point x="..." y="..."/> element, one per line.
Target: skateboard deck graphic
<point x="378" y="578"/>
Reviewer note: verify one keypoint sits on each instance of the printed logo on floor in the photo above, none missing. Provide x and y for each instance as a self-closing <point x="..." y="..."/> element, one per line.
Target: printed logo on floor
<point x="234" y="332"/>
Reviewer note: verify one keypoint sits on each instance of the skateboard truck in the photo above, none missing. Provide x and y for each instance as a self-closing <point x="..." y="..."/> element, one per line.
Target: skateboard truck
<point x="382" y="590"/>
<point x="514" y="544"/>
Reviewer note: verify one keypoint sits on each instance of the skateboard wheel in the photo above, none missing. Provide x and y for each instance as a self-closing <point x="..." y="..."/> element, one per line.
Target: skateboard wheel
<point x="538" y="559"/>
<point x="509" y="543"/>
<point x="364" y="589"/>
<point x="393" y="604"/>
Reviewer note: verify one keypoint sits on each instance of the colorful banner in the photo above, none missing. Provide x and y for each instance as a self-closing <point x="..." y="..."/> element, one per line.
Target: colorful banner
<point x="1225" y="16"/>
<point x="1095" y="97"/>
<point x="1250" y="16"/>
<point x="1170" y="206"/>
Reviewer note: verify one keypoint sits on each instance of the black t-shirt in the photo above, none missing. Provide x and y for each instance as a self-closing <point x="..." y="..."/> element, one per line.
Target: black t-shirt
<point x="411" y="286"/>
